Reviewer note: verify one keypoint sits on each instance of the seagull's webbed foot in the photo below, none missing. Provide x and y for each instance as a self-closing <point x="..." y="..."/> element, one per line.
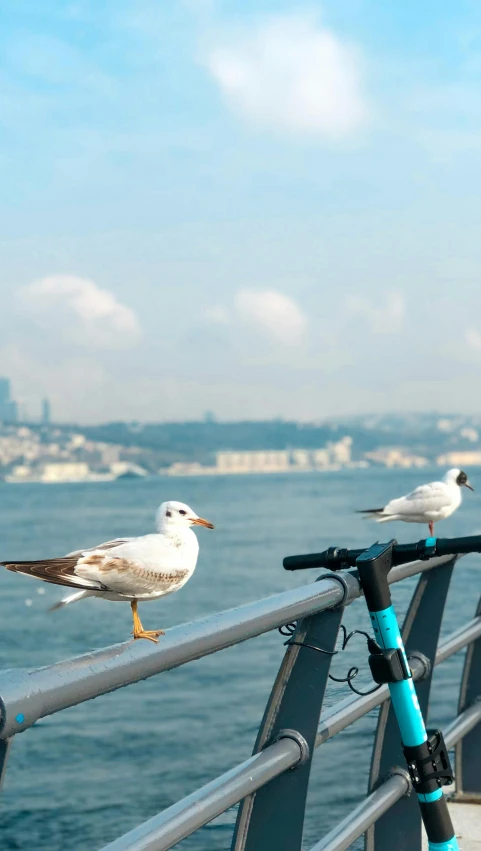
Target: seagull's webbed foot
<point x="138" y="630"/>
<point x="150" y="634"/>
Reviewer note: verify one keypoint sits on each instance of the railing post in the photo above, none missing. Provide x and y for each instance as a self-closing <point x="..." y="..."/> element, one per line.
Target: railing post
<point x="274" y="816"/>
<point x="468" y="751"/>
<point x="400" y="829"/>
<point x="5" y="745"/>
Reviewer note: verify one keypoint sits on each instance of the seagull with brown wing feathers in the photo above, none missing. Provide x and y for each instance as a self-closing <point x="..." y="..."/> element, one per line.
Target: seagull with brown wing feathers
<point x="128" y="569"/>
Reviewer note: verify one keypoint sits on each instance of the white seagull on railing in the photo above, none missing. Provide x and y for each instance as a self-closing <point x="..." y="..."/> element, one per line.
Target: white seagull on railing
<point x="128" y="569"/>
<point x="427" y="503"/>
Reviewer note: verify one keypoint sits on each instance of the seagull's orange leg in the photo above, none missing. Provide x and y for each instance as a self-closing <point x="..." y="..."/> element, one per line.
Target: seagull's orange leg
<point x="138" y="630"/>
<point x="431" y="529"/>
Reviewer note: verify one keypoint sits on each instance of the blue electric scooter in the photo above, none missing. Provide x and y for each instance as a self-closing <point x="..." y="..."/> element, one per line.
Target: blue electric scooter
<point x="425" y="751"/>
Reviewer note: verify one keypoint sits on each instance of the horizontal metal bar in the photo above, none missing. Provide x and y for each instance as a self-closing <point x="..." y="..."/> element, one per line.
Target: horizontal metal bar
<point x="386" y="795"/>
<point x="458" y="639"/>
<point x="344" y="713"/>
<point x="366" y="813"/>
<point x="462" y="725"/>
<point x="180" y="820"/>
<point x="403" y="571"/>
<point x="26" y="696"/>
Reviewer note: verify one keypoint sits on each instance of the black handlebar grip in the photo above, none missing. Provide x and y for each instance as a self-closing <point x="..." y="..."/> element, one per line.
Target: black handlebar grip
<point x="304" y="561"/>
<point x="453" y="546"/>
<point x="336" y="558"/>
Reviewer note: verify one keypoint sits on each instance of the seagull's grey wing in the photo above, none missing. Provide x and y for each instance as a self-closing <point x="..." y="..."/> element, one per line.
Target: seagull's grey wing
<point x="425" y="498"/>
<point x="106" y="546"/>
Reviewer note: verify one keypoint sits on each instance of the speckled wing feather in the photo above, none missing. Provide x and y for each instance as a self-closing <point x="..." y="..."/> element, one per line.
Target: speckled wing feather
<point x="422" y="500"/>
<point x="58" y="571"/>
<point x="61" y="571"/>
<point x="148" y="565"/>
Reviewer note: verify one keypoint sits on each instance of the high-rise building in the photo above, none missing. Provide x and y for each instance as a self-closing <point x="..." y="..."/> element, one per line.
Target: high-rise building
<point x="45" y="411"/>
<point x="8" y="407"/>
<point x="4" y="390"/>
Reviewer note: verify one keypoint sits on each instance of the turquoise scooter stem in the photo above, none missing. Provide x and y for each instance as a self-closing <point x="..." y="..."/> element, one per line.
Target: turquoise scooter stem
<point x="389" y="664"/>
<point x="409" y="717"/>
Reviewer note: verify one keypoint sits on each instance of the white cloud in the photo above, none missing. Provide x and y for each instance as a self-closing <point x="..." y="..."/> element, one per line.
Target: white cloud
<point x="273" y="313"/>
<point x="387" y="319"/>
<point x="292" y="75"/>
<point x="78" y="310"/>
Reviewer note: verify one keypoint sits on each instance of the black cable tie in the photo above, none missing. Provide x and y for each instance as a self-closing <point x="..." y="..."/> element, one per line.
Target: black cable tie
<point x="289" y="629"/>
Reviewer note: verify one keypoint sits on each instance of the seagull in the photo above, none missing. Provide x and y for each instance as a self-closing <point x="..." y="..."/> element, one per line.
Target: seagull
<point x="128" y="569"/>
<point x="427" y="503"/>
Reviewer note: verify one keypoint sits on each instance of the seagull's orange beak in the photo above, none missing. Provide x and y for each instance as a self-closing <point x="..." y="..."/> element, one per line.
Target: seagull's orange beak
<point x="199" y="521"/>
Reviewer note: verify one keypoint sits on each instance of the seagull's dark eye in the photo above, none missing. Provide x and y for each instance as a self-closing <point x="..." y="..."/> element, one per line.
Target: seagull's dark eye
<point x="181" y="511"/>
<point x="168" y="513"/>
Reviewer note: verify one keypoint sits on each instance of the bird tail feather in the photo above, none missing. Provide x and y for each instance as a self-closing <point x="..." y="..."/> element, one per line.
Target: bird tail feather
<point x="376" y="514"/>
<point x="71" y="598"/>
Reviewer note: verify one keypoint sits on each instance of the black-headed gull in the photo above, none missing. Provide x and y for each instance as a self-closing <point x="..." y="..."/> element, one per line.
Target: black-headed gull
<point x="427" y="503"/>
<point x="128" y="569"/>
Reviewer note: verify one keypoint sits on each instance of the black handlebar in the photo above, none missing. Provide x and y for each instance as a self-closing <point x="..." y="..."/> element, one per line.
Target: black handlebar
<point x="336" y="559"/>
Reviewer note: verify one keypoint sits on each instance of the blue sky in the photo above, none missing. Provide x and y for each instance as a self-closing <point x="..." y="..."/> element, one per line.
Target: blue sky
<point x="259" y="209"/>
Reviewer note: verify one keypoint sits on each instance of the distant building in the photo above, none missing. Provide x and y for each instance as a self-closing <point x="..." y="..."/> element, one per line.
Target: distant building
<point x="301" y="458"/>
<point x="395" y="456"/>
<point x="8" y="407"/>
<point x="267" y="461"/>
<point x="462" y="458"/>
<point x="332" y="457"/>
<point x="341" y="451"/>
<point x="21" y="472"/>
<point x="321" y="458"/>
<point x="65" y="472"/>
<point x="46" y="411"/>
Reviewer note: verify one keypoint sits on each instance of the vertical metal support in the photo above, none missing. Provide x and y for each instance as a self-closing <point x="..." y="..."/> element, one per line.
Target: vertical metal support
<point x="400" y="829"/>
<point x="468" y="751"/>
<point x="5" y="745"/>
<point x="274" y="816"/>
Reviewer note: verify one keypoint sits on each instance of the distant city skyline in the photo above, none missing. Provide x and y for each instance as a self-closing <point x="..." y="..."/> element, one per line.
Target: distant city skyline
<point x="13" y="410"/>
<point x="32" y="452"/>
<point x="20" y="411"/>
<point x="257" y="212"/>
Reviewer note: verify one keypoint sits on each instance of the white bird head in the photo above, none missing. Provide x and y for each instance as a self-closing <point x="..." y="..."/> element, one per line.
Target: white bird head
<point x="457" y="477"/>
<point x="177" y="515"/>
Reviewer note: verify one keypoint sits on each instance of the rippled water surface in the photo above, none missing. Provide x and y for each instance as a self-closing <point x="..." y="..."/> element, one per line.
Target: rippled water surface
<point x="82" y="777"/>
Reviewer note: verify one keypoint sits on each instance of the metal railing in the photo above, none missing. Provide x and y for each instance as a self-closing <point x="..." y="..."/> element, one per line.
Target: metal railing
<point x="272" y="785"/>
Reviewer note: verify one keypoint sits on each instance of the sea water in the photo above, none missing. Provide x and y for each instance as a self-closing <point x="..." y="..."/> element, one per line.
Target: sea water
<point x="84" y="776"/>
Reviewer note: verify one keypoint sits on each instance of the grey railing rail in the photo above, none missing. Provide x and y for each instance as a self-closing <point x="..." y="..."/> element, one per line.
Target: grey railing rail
<point x="271" y="785"/>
